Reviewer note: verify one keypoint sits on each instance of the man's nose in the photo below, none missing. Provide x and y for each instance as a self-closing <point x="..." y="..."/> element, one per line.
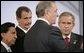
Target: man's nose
<point x="66" y="26"/>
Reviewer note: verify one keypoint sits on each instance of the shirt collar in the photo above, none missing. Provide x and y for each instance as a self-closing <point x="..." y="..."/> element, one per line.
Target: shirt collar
<point x="23" y="29"/>
<point x="67" y="36"/>
<point x="5" y="45"/>
<point x="44" y="20"/>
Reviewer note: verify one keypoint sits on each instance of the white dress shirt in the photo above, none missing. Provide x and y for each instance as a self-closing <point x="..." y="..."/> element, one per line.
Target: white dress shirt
<point x="67" y="36"/>
<point x="23" y="29"/>
<point x="44" y="20"/>
<point x="6" y="46"/>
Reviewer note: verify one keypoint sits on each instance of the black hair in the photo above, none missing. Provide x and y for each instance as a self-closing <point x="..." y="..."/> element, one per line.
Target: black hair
<point x="5" y="27"/>
<point x="20" y="9"/>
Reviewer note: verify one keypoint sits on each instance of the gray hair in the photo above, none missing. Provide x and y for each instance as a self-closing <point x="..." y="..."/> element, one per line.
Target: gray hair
<point x="40" y="9"/>
<point x="67" y="14"/>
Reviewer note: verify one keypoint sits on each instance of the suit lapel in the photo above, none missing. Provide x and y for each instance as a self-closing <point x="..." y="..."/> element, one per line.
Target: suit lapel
<point x="72" y="42"/>
<point x="20" y="33"/>
<point x="72" y="39"/>
<point x="3" y="49"/>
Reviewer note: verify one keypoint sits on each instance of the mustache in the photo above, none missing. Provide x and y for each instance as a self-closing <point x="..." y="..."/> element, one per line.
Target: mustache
<point x="28" y="24"/>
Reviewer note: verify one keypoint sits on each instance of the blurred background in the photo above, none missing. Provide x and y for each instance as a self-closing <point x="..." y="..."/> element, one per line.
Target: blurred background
<point x="8" y="12"/>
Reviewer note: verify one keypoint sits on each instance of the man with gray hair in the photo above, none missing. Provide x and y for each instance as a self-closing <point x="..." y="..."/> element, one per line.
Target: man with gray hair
<point x="41" y="37"/>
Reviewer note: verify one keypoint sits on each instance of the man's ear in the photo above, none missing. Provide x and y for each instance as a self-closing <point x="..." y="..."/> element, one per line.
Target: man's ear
<point x="46" y="11"/>
<point x="18" y="19"/>
<point x="2" y="35"/>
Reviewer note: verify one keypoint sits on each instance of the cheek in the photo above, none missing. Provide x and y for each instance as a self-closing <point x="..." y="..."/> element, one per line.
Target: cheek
<point x="12" y="41"/>
<point x="71" y="26"/>
<point x="54" y="19"/>
<point x="23" y="22"/>
<point x="8" y="39"/>
<point x="54" y="15"/>
<point x="30" y="20"/>
<point x="61" y="26"/>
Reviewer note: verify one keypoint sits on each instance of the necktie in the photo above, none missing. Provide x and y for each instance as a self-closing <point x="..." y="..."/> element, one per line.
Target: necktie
<point x="67" y="41"/>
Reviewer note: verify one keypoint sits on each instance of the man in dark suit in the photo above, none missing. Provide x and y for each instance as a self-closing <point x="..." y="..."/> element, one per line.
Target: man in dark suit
<point x="8" y="36"/>
<point x="40" y="38"/>
<point x="24" y="16"/>
<point x="72" y="40"/>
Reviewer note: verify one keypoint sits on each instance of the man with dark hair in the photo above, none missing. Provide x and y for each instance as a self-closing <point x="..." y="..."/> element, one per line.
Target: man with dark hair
<point x="23" y="16"/>
<point x="8" y="36"/>
<point x="73" y="41"/>
<point x="40" y="37"/>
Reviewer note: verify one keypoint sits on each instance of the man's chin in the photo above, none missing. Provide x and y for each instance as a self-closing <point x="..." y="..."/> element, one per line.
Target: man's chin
<point x="27" y="27"/>
<point x="66" y="33"/>
<point x="12" y="43"/>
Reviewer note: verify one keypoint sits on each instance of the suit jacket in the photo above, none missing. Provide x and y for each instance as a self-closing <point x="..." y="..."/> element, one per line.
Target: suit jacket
<point x="40" y="38"/>
<point x="75" y="42"/>
<point x="3" y="49"/>
<point x="74" y="45"/>
<point x="19" y="46"/>
<point x="56" y="40"/>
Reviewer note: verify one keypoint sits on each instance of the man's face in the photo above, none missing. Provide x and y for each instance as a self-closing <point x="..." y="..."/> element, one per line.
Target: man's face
<point x="10" y="36"/>
<point x="66" y="24"/>
<point x="53" y="13"/>
<point x="25" y="20"/>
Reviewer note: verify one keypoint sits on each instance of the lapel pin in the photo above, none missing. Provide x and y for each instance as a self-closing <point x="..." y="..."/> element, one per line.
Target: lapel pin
<point x="74" y="41"/>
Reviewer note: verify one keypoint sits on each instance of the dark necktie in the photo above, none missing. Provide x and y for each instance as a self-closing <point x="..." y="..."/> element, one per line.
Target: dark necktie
<point x="67" y="41"/>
